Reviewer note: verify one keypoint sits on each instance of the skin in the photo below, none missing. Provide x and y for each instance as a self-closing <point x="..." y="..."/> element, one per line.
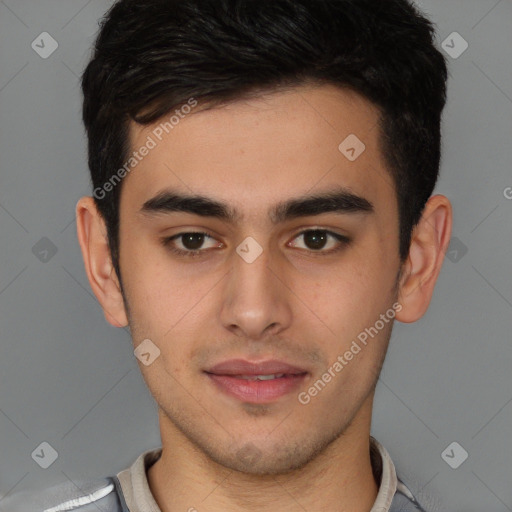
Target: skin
<point x="291" y="303"/>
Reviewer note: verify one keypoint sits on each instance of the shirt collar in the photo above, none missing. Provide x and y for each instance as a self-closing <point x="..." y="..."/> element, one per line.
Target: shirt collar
<point x="388" y="479"/>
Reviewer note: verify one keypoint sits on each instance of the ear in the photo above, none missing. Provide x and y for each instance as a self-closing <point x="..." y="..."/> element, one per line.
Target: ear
<point x="92" y="236"/>
<point x="429" y="243"/>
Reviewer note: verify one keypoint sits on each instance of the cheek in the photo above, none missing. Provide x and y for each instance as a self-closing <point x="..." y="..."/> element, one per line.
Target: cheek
<point x="349" y="298"/>
<point x="166" y="298"/>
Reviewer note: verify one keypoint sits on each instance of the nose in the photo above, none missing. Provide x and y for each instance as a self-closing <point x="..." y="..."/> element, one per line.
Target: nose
<point x="256" y="297"/>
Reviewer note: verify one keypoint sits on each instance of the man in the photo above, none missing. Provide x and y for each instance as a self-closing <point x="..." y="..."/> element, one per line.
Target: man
<point x="261" y="215"/>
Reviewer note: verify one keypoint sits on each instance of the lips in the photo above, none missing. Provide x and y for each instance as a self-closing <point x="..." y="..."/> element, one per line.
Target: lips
<point x="262" y="382"/>
<point x="243" y="368"/>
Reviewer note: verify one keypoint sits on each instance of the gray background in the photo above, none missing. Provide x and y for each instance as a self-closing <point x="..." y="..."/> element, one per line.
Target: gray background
<point x="70" y="379"/>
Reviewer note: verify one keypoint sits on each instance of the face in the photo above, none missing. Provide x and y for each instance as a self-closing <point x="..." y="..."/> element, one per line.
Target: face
<point x="301" y="283"/>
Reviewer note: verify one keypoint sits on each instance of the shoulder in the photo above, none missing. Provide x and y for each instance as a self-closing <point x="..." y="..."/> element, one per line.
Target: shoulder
<point x="79" y="496"/>
<point x="405" y="501"/>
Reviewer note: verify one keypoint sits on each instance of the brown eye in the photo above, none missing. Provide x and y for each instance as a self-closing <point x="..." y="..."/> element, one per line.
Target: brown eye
<point x="317" y="239"/>
<point x="191" y="243"/>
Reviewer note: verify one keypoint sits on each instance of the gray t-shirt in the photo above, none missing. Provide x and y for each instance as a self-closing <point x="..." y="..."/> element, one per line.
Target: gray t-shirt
<point x="129" y="490"/>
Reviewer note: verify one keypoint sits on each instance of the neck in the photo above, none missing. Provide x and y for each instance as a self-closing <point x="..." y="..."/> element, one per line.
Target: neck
<point x="339" y="479"/>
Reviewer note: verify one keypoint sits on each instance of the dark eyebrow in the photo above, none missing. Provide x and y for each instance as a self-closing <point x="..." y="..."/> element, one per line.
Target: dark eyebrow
<point x="338" y="201"/>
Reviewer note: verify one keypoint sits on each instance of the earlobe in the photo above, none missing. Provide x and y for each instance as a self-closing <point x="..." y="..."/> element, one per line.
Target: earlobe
<point x="429" y="242"/>
<point x="98" y="263"/>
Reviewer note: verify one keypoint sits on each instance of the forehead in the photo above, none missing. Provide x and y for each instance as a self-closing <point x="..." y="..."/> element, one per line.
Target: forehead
<point x="255" y="152"/>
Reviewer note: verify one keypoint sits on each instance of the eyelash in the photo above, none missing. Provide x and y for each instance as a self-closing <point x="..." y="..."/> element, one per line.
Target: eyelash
<point x="343" y="241"/>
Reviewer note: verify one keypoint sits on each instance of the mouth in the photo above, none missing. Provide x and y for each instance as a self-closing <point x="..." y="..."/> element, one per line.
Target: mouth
<point x="261" y="377"/>
<point x="256" y="382"/>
